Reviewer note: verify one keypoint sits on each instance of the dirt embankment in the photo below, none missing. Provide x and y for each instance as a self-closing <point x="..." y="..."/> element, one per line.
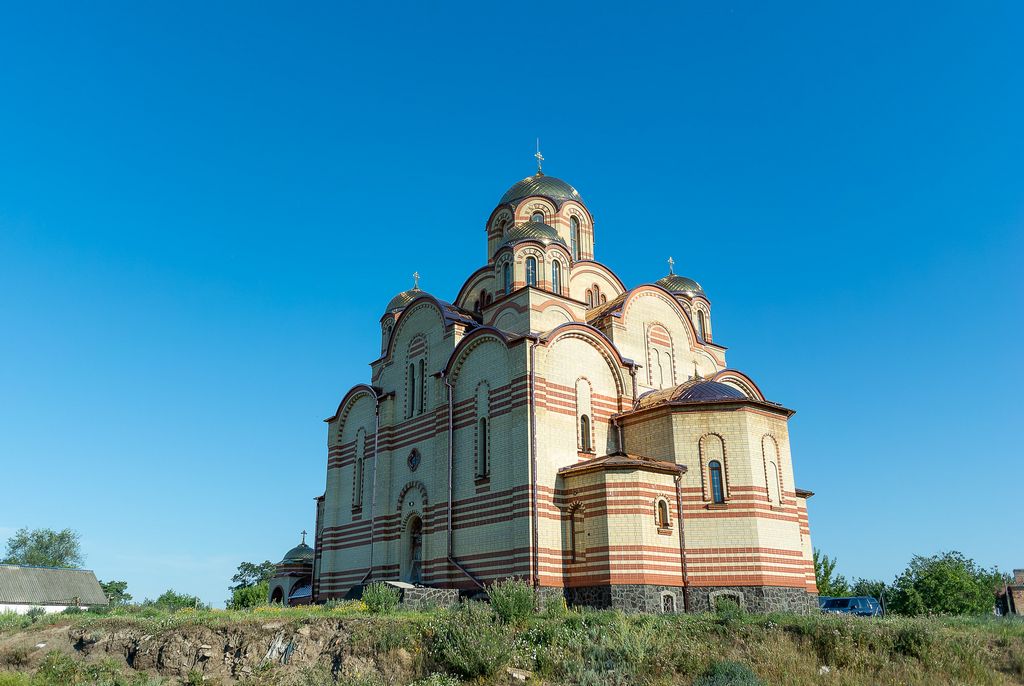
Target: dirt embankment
<point x="219" y="653"/>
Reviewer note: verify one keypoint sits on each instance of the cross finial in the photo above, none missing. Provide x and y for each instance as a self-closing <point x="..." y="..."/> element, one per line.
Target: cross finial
<point x="303" y="537"/>
<point x="415" y="281"/>
<point x="540" y="158"/>
<point x="671" y="263"/>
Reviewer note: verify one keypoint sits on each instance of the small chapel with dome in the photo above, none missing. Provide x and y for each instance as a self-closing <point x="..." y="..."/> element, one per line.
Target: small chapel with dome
<point x="552" y="424"/>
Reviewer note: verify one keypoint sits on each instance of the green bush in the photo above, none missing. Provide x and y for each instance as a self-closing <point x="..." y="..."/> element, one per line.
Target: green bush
<point x="380" y="598"/>
<point x="469" y="641"/>
<point x="912" y="640"/>
<point x="249" y="596"/>
<point x="728" y="673"/>
<point x="728" y="610"/>
<point x="512" y="599"/>
<point x="556" y="606"/>
<point x="35" y="613"/>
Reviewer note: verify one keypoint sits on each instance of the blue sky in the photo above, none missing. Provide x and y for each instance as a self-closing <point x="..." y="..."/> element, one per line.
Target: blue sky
<point x="204" y="208"/>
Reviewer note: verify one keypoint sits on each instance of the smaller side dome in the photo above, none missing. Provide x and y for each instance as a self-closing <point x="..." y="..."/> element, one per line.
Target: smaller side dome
<point x="702" y="389"/>
<point x="300" y="554"/>
<point x="532" y="231"/>
<point x="674" y="283"/>
<point x="399" y="302"/>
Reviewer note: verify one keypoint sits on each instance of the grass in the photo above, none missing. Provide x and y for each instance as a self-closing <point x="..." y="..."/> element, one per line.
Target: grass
<point x="584" y="648"/>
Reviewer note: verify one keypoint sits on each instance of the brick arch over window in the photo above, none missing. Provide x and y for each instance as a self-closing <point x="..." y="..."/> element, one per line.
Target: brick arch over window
<point x="417" y="485"/>
<point x="712" y="448"/>
<point x="772" y="468"/>
<point x="584" y="415"/>
<point x="660" y="357"/>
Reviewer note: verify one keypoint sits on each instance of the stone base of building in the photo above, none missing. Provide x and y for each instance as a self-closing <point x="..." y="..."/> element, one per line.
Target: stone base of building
<point x="659" y="599"/>
<point x="755" y="599"/>
<point x="628" y="598"/>
<point x="423" y="598"/>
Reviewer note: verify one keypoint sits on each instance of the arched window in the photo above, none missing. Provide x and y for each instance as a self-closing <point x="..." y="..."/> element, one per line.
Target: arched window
<point x="411" y="392"/>
<point x="701" y="325"/>
<point x="574" y="237"/>
<point x="507" y="269"/>
<point x="531" y="271"/>
<point x="717" y="489"/>
<point x="537" y="217"/>
<point x="422" y="387"/>
<point x="604" y="298"/>
<point x="556" y="277"/>
<point x="774" y="493"/>
<point x="483" y="454"/>
<point x="590" y="298"/>
<point x="585" y="433"/>
<point x="357" y="469"/>
<point x="663" y="521"/>
<point x="577" y="534"/>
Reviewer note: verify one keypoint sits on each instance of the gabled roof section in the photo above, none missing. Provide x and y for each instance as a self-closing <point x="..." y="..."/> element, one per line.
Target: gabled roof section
<point x="49" y="586"/>
<point x="622" y="461"/>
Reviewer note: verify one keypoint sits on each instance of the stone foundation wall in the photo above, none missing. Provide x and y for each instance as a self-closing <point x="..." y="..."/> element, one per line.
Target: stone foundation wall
<point x="652" y="599"/>
<point x="421" y="598"/>
<point x="628" y="598"/>
<point x="756" y="599"/>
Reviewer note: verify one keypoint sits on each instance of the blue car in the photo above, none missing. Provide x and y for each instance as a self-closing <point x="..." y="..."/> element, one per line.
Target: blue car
<point x="862" y="606"/>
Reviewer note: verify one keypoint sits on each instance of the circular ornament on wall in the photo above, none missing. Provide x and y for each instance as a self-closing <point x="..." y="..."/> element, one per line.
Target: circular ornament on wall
<point x="413" y="460"/>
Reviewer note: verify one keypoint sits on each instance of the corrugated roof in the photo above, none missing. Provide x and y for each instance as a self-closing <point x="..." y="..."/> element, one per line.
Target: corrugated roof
<point x="49" y="586"/>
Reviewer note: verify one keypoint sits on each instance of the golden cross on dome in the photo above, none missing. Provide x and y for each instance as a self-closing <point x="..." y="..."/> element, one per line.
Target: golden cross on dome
<point x="415" y="281"/>
<point x="540" y="158"/>
<point x="303" y="536"/>
<point x="671" y="263"/>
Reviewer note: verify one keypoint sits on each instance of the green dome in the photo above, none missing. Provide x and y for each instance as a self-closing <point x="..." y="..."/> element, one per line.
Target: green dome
<point x="535" y="231"/>
<point x="539" y="184"/>
<point x="680" y="284"/>
<point x="299" y="554"/>
<point x="404" y="298"/>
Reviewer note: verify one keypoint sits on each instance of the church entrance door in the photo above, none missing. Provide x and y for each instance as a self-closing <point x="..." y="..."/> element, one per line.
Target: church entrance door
<point x="414" y="566"/>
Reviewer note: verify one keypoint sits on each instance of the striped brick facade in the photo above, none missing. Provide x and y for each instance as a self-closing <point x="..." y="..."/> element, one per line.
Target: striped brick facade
<point x="538" y="433"/>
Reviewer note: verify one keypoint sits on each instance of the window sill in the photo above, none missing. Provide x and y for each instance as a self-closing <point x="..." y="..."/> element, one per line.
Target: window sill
<point x="585" y="453"/>
<point x="662" y="531"/>
<point x="716" y="506"/>
<point x="486" y="479"/>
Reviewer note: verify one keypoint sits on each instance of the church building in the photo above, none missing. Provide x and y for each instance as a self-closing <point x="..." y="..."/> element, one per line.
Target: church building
<point x="551" y="424"/>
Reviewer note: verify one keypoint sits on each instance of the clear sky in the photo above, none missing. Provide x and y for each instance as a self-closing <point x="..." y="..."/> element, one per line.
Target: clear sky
<point x="204" y="208"/>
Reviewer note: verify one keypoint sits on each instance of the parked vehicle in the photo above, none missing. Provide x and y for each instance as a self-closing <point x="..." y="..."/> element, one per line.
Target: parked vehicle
<point x="862" y="606"/>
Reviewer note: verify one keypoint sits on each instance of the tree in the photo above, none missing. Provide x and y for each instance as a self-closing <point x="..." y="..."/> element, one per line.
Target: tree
<point x="829" y="583"/>
<point x="170" y="600"/>
<point x="116" y="592"/>
<point x="250" y="574"/>
<point x="947" y="583"/>
<point x="249" y="596"/>
<point x="44" y="548"/>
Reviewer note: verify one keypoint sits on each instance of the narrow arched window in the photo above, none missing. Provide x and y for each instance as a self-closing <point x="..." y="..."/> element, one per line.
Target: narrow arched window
<point x="531" y="271"/>
<point x="483" y="463"/>
<point x="537" y="217"/>
<point x="717" y="488"/>
<point x="585" y="433"/>
<point x="574" y="237"/>
<point x="774" y="492"/>
<point x="590" y="298"/>
<point x="604" y="298"/>
<point x="556" y="277"/>
<point x="422" y="387"/>
<point x="411" y="391"/>
<point x="701" y="325"/>
<point x="508" y="277"/>
<point x="663" y="520"/>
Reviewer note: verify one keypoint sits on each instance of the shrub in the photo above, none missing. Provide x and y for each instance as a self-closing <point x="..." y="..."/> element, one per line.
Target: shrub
<point x="437" y="680"/>
<point x="912" y="640"/>
<point x="469" y="642"/>
<point x="728" y="610"/>
<point x="556" y="606"/>
<point x="249" y="596"/>
<point x="727" y="673"/>
<point x="35" y="613"/>
<point x="380" y="598"/>
<point x="512" y="600"/>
